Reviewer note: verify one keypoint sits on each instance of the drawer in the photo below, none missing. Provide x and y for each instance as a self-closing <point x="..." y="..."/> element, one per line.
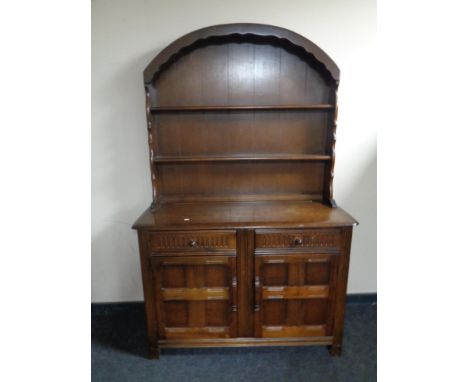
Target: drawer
<point x="192" y="240"/>
<point x="290" y="239"/>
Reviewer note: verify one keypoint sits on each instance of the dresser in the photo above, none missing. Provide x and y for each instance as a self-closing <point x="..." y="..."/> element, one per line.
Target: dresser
<point x="243" y="243"/>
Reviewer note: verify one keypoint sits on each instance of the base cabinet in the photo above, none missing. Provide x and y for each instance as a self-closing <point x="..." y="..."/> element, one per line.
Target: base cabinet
<point x="211" y="288"/>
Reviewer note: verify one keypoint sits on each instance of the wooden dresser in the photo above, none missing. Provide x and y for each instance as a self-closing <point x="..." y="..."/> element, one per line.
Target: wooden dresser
<point x="243" y="244"/>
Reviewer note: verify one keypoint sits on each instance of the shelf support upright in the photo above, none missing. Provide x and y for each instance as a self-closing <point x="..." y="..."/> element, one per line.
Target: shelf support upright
<point x="151" y="143"/>
<point x="331" y="141"/>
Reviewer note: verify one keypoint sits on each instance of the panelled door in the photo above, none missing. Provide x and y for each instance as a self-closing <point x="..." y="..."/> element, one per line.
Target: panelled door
<point x="294" y="294"/>
<point x="196" y="295"/>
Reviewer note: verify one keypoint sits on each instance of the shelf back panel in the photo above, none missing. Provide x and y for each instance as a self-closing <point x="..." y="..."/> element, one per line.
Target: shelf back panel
<point x="240" y="74"/>
<point x="241" y="133"/>
<point x="241" y="181"/>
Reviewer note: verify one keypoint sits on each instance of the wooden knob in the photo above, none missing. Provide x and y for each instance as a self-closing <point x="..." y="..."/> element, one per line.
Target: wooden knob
<point x="297" y="241"/>
<point x="193" y="243"/>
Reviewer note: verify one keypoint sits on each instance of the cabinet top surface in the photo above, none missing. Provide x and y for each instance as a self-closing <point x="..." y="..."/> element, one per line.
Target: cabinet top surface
<point x="258" y="214"/>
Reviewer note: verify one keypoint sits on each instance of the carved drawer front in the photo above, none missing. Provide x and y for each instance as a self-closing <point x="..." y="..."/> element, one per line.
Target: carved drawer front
<point x="192" y="240"/>
<point x="290" y="239"/>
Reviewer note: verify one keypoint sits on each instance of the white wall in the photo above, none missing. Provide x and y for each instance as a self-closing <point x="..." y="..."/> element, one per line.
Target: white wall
<point x="126" y="35"/>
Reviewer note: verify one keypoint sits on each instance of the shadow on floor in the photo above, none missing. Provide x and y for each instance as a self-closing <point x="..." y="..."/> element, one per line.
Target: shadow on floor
<point x="120" y="327"/>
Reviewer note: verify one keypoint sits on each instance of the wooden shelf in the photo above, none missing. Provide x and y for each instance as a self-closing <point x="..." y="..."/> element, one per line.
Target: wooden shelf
<point x="256" y="158"/>
<point x="165" y="109"/>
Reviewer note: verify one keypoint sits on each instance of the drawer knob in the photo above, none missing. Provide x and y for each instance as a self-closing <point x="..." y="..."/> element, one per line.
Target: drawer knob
<point x="192" y="243"/>
<point x="297" y="241"/>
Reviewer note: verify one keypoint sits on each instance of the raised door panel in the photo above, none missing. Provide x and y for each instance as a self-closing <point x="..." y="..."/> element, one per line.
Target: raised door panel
<point x="196" y="296"/>
<point x="294" y="294"/>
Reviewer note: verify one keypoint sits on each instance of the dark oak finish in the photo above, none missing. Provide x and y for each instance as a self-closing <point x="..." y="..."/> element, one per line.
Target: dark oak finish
<point x="240" y="108"/>
<point x="324" y="238"/>
<point x="256" y="32"/>
<point x="180" y="240"/>
<point x="213" y="158"/>
<point x="196" y="296"/>
<point x="255" y="214"/>
<point x="243" y="244"/>
<point x="295" y="293"/>
<point x="245" y="261"/>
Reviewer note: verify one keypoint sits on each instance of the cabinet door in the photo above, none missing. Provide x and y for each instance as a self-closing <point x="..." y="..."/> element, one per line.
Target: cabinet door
<point x="295" y="294"/>
<point x="195" y="296"/>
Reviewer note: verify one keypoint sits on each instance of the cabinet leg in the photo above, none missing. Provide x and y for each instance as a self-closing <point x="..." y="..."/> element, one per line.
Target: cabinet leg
<point x="334" y="350"/>
<point x="154" y="352"/>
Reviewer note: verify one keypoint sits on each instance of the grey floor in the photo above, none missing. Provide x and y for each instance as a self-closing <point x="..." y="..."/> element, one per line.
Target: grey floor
<point x="119" y="353"/>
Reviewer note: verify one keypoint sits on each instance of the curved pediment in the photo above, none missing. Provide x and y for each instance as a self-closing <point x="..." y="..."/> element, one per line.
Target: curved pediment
<point x="238" y="33"/>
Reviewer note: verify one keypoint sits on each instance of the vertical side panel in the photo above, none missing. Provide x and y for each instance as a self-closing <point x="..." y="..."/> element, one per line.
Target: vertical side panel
<point x="148" y="293"/>
<point x="245" y="257"/>
<point x="341" y="286"/>
<point x="158" y="299"/>
<point x="333" y="285"/>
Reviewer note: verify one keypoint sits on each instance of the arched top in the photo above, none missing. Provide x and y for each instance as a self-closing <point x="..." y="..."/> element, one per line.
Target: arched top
<point x="258" y="31"/>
